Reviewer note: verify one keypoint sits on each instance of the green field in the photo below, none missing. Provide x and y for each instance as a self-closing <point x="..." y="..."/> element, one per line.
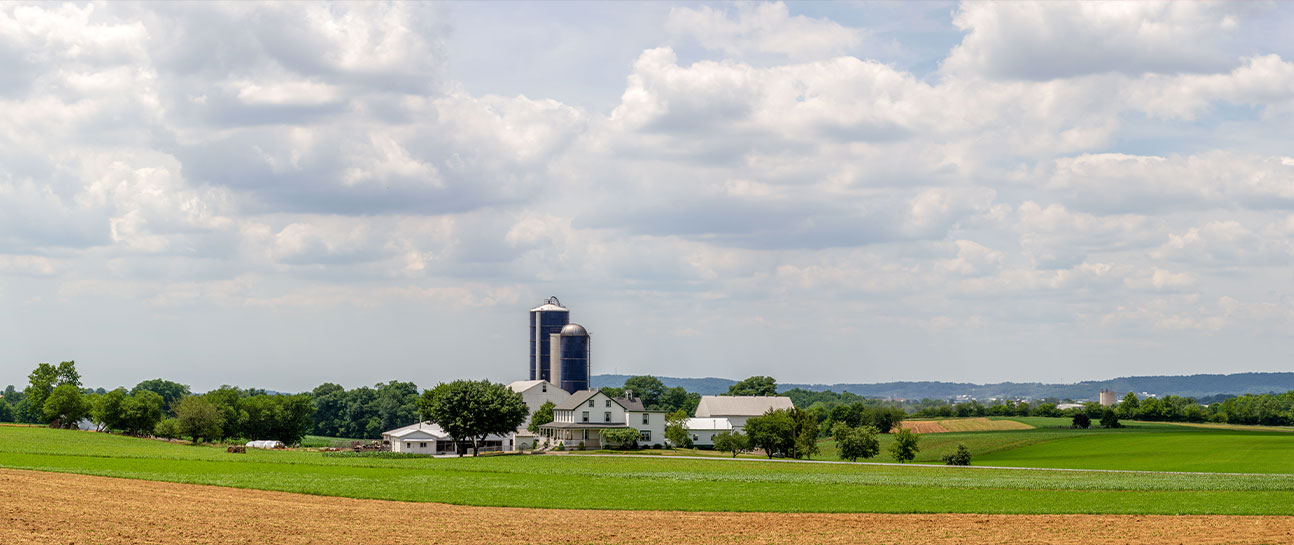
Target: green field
<point x="665" y="483"/>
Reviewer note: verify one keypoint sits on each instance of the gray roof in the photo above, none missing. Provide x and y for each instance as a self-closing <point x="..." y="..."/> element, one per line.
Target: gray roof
<point x="576" y="399"/>
<point x="713" y="406"/>
<point x="574" y="330"/>
<point x="582" y="396"/>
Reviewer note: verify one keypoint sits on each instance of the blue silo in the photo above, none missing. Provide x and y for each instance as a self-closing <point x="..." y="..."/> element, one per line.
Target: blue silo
<point x="545" y="320"/>
<point x="574" y="346"/>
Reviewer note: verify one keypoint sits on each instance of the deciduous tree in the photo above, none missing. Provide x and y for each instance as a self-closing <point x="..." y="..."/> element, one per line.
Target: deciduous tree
<point x="468" y="409"/>
<point x="199" y="419"/>
<point x="905" y="446"/>
<point x="65" y="407"/>
<point x="676" y="431"/>
<point x="855" y="443"/>
<point x="543" y="415"/>
<point x="773" y="432"/>
<point x="754" y="386"/>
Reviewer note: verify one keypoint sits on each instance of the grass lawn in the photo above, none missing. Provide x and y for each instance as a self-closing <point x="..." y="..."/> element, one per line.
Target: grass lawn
<point x="656" y="482"/>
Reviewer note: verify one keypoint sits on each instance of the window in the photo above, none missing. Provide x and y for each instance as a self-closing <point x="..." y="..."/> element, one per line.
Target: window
<point x="608" y="403"/>
<point x="646" y="419"/>
<point x="545" y="387"/>
<point x="695" y="438"/>
<point x="646" y="435"/>
<point x="590" y="402"/>
<point x="606" y="416"/>
<point x="586" y="416"/>
<point x="422" y="445"/>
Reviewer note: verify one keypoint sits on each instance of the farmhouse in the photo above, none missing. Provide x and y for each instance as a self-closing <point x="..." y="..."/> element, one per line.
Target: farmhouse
<point x="535" y="393"/>
<point x="582" y="417"/>
<point x="739" y="409"/>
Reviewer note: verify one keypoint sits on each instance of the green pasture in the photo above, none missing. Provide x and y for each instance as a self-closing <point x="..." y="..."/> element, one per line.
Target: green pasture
<point x="659" y="482"/>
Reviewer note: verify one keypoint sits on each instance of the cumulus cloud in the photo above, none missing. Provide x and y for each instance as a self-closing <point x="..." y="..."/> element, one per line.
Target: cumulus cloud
<point x="1046" y="40"/>
<point x="765" y="28"/>
<point x="224" y="160"/>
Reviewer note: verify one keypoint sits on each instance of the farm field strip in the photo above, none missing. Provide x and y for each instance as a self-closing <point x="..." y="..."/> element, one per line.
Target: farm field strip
<point x="655" y="482"/>
<point x="61" y="508"/>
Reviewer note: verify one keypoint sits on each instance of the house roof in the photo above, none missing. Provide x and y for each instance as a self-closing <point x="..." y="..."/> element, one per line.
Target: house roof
<point x="427" y="428"/>
<point x="523" y="385"/>
<point x="711" y="406"/>
<point x="695" y="424"/>
<point x="582" y="396"/>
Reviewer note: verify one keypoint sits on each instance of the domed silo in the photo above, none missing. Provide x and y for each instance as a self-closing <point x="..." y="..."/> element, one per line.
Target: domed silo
<point x="571" y="355"/>
<point x="545" y="320"/>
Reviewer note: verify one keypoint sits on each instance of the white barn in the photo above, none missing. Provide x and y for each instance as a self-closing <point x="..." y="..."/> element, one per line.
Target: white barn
<point x="703" y="430"/>
<point x="739" y="409"/>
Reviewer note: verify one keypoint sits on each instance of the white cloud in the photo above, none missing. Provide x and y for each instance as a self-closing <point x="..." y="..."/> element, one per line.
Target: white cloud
<point x="1045" y="40"/>
<point x="764" y="28"/>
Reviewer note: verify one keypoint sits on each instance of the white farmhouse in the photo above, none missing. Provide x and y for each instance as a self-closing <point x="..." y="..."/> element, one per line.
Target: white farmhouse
<point x="535" y="393"/>
<point x="703" y="430"/>
<point x="583" y="416"/>
<point x="739" y="409"/>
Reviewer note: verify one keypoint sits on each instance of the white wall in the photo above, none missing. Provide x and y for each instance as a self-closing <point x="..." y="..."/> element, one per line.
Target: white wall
<point x="655" y="425"/>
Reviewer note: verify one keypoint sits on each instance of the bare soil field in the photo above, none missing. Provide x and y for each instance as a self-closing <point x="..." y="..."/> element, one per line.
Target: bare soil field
<point x="963" y="425"/>
<point x="42" y="507"/>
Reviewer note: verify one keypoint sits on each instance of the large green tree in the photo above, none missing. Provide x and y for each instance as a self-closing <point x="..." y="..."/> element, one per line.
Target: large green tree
<point x="330" y="405"/>
<point x="754" y="386"/>
<point x="468" y="409"/>
<point x="141" y="412"/>
<point x="6" y="411"/>
<point x="65" y="407"/>
<point x="647" y="388"/>
<point x="199" y="419"/>
<point x="170" y="392"/>
<point x="773" y="432"/>
<point x="106" y="410"/>
<point x="43" y="380"/>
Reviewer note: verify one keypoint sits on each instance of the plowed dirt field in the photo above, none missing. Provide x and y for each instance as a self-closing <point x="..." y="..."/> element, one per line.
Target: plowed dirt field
<point x="38" y="507"/>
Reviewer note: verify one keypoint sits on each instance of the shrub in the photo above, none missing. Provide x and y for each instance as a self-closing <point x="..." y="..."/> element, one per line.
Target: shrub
<point x="962" y="457"/>
<point x="167" y="428"/>
<point x="1081" y="421"/>
<point x="560" y="446"/>
<point x="1110" y="419"/>
<point x="733" y="442"/>
<point x="580" y="446"/>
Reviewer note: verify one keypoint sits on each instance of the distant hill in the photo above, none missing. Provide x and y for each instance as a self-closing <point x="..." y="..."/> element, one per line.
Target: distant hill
<point x="1197" y="386"/>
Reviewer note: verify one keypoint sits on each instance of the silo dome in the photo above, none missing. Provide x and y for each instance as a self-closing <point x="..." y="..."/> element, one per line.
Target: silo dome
<point x="574" y="330"/>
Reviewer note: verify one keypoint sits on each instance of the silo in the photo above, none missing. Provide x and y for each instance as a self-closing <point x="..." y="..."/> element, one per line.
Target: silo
<point x="1107" y="398"/>
<point x="574" y="355"/>
<point x="545" y="320"/>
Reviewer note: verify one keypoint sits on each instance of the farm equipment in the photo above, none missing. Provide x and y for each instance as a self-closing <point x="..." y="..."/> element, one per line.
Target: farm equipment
<point x="238" y="449"/>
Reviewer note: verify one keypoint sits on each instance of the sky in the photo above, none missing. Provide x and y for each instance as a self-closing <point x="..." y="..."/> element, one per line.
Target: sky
<point x="281" y="195"/>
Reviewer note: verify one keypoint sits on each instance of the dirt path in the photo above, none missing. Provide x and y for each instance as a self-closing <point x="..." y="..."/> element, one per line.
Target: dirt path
<point x="38" y="507"/>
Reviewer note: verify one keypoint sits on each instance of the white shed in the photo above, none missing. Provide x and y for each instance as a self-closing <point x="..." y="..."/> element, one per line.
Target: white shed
<point x="703" y="430"/>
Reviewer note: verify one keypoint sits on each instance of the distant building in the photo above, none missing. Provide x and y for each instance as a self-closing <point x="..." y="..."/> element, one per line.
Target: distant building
<point x="1108" y="398"/>
<point x="739" y="409"/>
